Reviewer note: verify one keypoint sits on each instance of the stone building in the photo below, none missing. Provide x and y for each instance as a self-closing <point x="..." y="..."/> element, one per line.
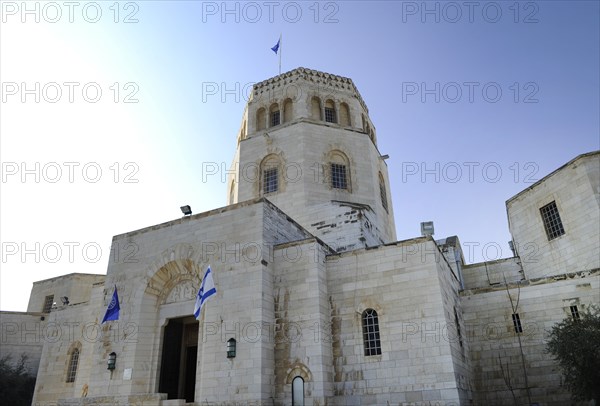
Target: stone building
<point x="317" y="303"/>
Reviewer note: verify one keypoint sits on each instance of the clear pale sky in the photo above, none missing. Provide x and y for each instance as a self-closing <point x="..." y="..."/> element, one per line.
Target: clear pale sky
<point x="473" y="103"/>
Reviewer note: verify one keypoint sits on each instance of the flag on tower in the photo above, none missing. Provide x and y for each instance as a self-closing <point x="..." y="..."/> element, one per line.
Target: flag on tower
<point x="277" y="50"/>
<point x="112" y="311"/>
<point x="207" y="289"/>
<point x="276" y="47"/>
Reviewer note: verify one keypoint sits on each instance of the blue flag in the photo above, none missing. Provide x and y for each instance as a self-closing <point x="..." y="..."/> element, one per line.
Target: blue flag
<point x="276" y="47"/>
<point x="112" y="311"/>
<point x="207" y="289"/>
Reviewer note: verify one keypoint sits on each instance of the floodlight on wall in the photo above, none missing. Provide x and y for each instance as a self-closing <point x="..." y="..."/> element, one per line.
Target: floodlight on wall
<point x="186" y="210"/>
<point x="231" y="344"/>
<point x="427" y="228"/>
<point x="64" y="300"/>
<point x="384" y="157"/>
<point x="112" y="360"/>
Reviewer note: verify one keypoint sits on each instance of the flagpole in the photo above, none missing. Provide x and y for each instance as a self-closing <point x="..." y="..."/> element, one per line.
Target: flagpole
<point x="280" y="51"/>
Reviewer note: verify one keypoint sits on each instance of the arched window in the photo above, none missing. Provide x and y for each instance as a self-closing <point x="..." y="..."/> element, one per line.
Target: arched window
<point x="382" y="192"/>
<point x="339" y="171"/>
<point x="260" y="119"/>
<point x="72" y="367"/>
<point x="330" y="112"/>
<point x="371" y="338"/>
<point x="270" y="169"/>
<point x="344" y="115"/>
<point x="274" y="115"/>
<point x="243" y="131"/>
<point x="315" y="108"/>
<point x="298" y="391"/>
<point x="287" y="110"/>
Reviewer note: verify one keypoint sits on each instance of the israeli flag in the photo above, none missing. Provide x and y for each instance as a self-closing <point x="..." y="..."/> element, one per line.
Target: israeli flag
<point x="112" y="311"/>
<point x="276" y="47"/>
<point x="207" y="289"/>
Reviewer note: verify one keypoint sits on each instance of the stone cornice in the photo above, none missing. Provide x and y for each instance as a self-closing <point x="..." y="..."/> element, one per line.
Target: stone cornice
<point x="308" y="75"/>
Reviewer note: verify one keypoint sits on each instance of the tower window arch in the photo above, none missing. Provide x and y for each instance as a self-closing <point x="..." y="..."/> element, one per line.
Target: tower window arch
<point x="315" y="108"/>
<point x="330" y="112"/>
<point x="232" y="192"/>
<point x="298" y="391"/>
<point x="274" y="115"/>
<point x="382" y="192"/>
<point x="260" y="119"/>
<point x="344" y="115"/>
<point x="371" y="337"/>
<point x="73" y="364"/>
<point x="243" y="131"/>
<point x="270" y="170"/>
<point x="288" y="110"/>
<point x="339" y="167"/>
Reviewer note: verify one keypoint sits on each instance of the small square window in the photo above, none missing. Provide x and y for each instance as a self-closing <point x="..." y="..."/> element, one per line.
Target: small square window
<point x="338" y="176"/>
<point x="552" y="222"/>
<point x="517" y="323"/>
<point x="270" y="180"/>
<point x="575" y="313"/>
<point x="48" y="302"/>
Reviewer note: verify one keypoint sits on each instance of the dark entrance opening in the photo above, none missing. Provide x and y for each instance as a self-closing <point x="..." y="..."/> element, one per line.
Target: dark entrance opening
<point x="178" y="361"/>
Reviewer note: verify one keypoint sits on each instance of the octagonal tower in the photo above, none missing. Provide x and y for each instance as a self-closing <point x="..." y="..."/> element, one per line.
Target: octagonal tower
<point x="307" y="144"/>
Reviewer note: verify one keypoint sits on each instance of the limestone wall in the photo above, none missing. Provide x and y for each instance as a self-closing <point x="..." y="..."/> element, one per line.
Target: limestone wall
<point x="401" y="282"/>
<point x="493" y="340"/>
<point x="492" y="273"/>
<point x="574" y="188"/>
<point x="305" y="190"/>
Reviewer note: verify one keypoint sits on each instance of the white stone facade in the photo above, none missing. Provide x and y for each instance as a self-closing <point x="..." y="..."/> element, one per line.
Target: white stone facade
<point x="312" y="285"/>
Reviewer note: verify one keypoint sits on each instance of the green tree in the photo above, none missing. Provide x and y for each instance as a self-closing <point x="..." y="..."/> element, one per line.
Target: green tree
<point x="16" y="384"/>
<point x="575" y="343"/>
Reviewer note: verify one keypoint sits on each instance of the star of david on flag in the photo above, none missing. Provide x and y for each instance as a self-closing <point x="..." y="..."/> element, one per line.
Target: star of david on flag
<point x="207" y="289"/>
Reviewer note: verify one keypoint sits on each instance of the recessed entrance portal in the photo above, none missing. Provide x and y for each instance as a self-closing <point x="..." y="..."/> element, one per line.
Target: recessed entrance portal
<point x="179" y="355"/>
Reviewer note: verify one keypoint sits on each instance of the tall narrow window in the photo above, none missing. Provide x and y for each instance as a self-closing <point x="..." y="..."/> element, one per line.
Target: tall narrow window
<point x="330" y="112"/>
<point x="575" y="313"/>
<point x="382" y="192"/>
<point x="298" y="391"/>
<point x="315" y="108"/>
<point x="344" y="115"/>
<point x="288" y="110"/>
<point x="270" y="180"/>
<point x="260" y="119"/>
<point x="232" y="193"/>
<point x="551" y="219"/>
<point x="48" y="302"/>
<point x="458" y="332"/>
<point x="517" y="323"/>
<point x="371" y="337"/>
<point x="275" y="118"/>
<point x="73" y="363"/>
<point x="338" y="176"/>
<point x="274" y="115"/>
